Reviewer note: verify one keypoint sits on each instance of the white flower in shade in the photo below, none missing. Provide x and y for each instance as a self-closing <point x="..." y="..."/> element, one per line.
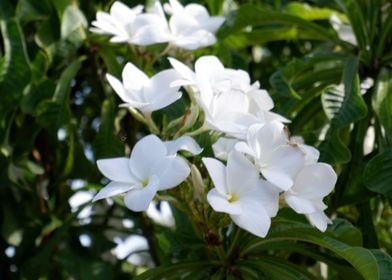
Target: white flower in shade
<point x="277" y="160"/>
<point x="223" y="147"/>
<point x="139" y="91"/>
<point x="149" y="169"/>
<point x="230" y="102"/>
<point x="241" y="193"/>
<point x="312" y="184"/>
<point x="131" y="25"/>
<point x="344" y="30"/>
<point x="191" y="26"/>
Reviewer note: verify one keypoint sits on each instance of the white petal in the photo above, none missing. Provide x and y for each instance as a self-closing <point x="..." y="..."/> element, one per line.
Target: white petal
<point x="270" y="137"/>
<point x="299" y="204"/>
<point x="280" y="179"/>
<point x="112" y="189"/>
<point x="217" y="172"/>
<point x="262" y="99"/>
<point x="287" y="161"/>
<point x="223" y="147"/>
<point x="133" y="78"/>
<point x="253" y="218"/>
<point x="183" y="70"/>
<point x="160" y="92"/>
<point x="184" y="143"/>
<point x="264" y="193"/>
<point x="241" y="174"/>
<point x="117" y="86"/>
<point x="145" y="154"/>
<point x="315" y="180"/>
<point x="208" y="65"/>
<point x="244" y="148"/>
<point x="139" y="199"/>
<point x="171" y="171"/>
<point x="319" y="220"/>
<point x="220" y="204"/>
<point x="116" y="169"/>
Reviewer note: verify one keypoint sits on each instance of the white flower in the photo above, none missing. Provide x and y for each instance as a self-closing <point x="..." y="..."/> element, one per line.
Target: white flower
<point x="311" y="185"/>
<point x="139" y="91"/>
<point x="277" y="160"/>
<point x="344" y="30"/>
<point x="131" y="25"/>
<point x="239" y="192"/>
<point x="149" y="169"/>
<point x="191" y="26"/>
<point x="230" y="102"/>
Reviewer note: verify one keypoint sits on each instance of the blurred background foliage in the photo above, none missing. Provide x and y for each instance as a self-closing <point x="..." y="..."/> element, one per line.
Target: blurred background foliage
<point x="58" y="115"/>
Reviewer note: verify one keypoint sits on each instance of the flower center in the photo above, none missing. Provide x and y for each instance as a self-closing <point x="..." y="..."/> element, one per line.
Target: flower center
<point x="232" y="197"/>
<point x="145" y="182"/>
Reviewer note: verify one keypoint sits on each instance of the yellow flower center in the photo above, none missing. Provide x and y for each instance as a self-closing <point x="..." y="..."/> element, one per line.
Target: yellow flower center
<point x="232" y="197"/>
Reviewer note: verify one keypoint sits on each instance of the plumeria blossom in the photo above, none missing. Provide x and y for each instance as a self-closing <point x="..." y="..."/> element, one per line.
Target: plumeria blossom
<point x="230" y="102"/>
<point x="239" y="192"/>
<point x="139" y="91"/>
<point x="277" y="160"/>
<point x="150" y="168"/>
<point x="131" y="25"/>
<point x="191" y="26"/>
<point x="311" y="185"/>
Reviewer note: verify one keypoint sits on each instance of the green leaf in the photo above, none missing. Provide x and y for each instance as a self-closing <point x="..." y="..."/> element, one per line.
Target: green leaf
<point x="377" y="176"/>
<point x="382" y="102"/>
<point x="386" y="34"/>
<point x="107" y="143"/>
<point x="355" y="14"/>
<point x="14" y="65"/>
<point x="342" y="106"/>
<point x="306" y="11"/>
<point x="345" y="106"/>
<point x="56" y="112"/>
<point x="175" y="271"/>
<point x="361" y="259"/>
<point x="385" y="264"/>
<point x="277" y="269"/>
<point x="30" y="10"/>
<point x="250" y="15"/>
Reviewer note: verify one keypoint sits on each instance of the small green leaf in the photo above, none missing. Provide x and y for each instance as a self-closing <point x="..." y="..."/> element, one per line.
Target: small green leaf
<point x="377" y="176"/>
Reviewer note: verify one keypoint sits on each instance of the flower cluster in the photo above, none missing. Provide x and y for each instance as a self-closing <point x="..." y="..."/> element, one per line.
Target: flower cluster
<point x="264" y="165"/>
<point x="190" y="27"/>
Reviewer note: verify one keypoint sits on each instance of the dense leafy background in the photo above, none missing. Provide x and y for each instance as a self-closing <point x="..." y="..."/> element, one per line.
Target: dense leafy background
<point x="58" y="115"/>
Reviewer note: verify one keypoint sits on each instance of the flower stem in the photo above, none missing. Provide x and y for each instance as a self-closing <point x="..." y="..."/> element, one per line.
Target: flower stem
<point x="151" y="124"/>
